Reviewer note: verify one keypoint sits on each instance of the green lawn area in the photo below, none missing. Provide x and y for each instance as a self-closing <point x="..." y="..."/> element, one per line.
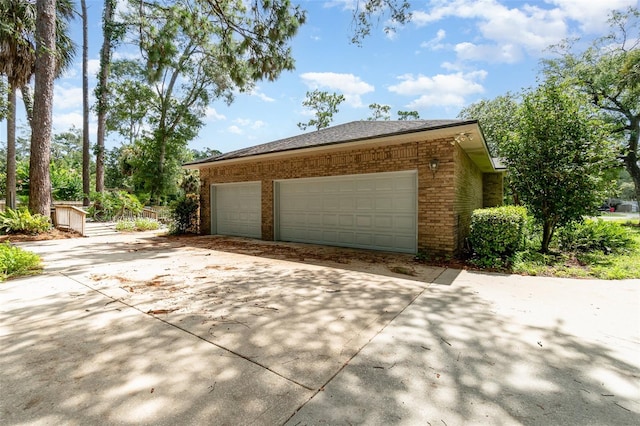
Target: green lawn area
<point x="612" y="266"/>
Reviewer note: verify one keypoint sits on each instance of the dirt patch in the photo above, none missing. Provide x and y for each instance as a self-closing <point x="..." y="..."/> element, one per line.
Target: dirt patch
<point x="383" y="263"/>
<point x="53" y="234"/>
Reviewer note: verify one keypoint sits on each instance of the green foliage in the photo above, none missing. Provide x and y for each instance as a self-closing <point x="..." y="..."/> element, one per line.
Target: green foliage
<point x="496" y="117"/>
<point x="408" y="115"/>
<point x="368" y="11"/>
<point x="137" y="224"/>
<point x="595" y="235"/>
<point x="114" y="205"/>
<point x="184" y="214"/>
<point x="192" y="52"/>
<point x="379" y="112"/>
<point x="15" y="261"/>
<point x="496" y="233"/>
<point x="324" y="105"/>
<point x="557" y="156"/>
<point x="607" y="74"/>
<point x="21" y="221"/>
<point x="66" y="183"/>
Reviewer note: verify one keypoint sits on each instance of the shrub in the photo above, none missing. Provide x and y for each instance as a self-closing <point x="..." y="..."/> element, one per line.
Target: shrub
<point x="184" y="214"/>
<point x="16" y="261"/>
<point x="21" y="221"/>
<point x="497" y="233"/>
<point x="138" y="224"/>
<point x="114" y="205"/>
<point x="595" y="235"/>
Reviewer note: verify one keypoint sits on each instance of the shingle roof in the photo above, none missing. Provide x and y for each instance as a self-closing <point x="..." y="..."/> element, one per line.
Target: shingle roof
<point x="348" y="132"/>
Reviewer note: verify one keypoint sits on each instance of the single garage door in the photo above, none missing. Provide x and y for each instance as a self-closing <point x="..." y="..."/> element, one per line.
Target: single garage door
<point x="236" y="209"/>
<point x="373" y="211"/>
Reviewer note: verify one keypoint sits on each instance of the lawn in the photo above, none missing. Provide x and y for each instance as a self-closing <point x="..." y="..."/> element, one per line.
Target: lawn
<point x="596" y="264"/>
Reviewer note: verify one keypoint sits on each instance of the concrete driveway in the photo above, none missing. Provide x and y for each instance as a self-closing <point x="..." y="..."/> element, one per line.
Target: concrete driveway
<point x="132" y="329"/>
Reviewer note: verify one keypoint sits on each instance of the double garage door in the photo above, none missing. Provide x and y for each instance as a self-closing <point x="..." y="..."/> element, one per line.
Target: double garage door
<point x="374" y="211"/>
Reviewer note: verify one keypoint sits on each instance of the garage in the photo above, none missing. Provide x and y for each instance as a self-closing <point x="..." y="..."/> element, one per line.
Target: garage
<point x="372" y="211"/>
<point x="237" y="209"/>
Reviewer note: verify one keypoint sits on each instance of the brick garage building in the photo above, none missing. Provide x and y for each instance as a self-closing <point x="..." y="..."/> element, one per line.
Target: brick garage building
<point x="404" y="186"/>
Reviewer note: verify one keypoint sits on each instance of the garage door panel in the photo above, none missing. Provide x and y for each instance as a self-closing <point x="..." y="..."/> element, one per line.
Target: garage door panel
<point x="364" y="221"/>
<point x="237" y="209"/>
<point x="405" y="222"/>
<point x="383" y="222"/>
<point x="376" y="211"/>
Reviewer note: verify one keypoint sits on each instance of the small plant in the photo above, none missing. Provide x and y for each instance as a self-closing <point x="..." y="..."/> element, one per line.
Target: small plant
<point x="15" y="261"/>
<point x="137" y="224"/>
<point x="21" y="221"/>
<point x="422" y="256"/>
<point x="595" y="235"/>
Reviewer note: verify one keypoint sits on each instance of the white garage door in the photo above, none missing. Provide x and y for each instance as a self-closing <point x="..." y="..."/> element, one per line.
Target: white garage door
<point x="374" y="211"/>
<point x="236" y="209"/>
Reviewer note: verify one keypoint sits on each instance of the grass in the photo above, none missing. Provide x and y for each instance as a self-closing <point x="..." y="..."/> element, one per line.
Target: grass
<point x="15" y="261"/>
<point x="139" y="224"/>
<point x="596" y="264"/>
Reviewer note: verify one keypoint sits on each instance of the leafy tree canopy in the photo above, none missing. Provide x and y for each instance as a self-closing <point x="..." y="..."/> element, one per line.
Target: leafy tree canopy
<point x="324" y="105"/>
<point x="557" y="156"/>
<point x="192" y="52"/>
<point x="408" y="115"/>
<point x="497" y="117"/>
<point x="379" y="112"/>
<point x="607" y="73"/>
<point x="370" y="12"/>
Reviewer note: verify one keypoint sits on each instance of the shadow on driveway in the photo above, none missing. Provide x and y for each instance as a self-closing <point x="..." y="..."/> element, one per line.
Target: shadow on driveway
<point x="143" y="330"/>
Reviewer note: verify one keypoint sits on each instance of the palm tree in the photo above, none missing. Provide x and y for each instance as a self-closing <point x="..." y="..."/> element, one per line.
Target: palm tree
<point x="17" y="62"/>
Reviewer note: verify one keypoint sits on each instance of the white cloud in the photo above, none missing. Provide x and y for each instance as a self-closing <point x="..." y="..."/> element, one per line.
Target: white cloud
<point x="510" y="33"/>
<point x="591" y="15"/>
<point x="212" y="115"/>
<point x="347" y="84"/>
<point x="435" y="43"/>
<point x="63" y="122"/>
<point x="441" y="89"/>
<point x="256" y="92"/>
<point x="235" y="130"/>
<point x="507" y="53"/>
<point x="67" y="97"/>
<point x="244" y="124"/>
<point x="93" y="66"/>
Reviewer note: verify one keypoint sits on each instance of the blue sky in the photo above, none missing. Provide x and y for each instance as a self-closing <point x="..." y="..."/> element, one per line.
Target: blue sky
<point x="451" y="54"/>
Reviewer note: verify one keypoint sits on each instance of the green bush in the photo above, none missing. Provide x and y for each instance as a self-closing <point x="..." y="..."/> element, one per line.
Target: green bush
<point x="184" y="214"/>
<point x="15" y="261"/>
<point x="114" y="205"/>
<point x="497" y="233"/>
<point x="21" y="221"/>
<point x="595" y="235"/>
<point x="138" y="224"/>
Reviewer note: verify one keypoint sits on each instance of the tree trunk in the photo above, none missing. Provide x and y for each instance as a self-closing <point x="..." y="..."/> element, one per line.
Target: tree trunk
<point x="39" y="179"/>
<point x="547" y="234"/>
<point x="103" y="79"/>
<point x="86" y="145"/>
<point x="11" y="148"/>
<point x="27" y="99"/>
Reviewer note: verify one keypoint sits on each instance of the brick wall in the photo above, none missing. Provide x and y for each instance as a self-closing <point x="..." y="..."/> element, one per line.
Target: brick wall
<point x="469" y="189"/>
<point x="493" y="189"/>
<point x="439" y="209"/>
